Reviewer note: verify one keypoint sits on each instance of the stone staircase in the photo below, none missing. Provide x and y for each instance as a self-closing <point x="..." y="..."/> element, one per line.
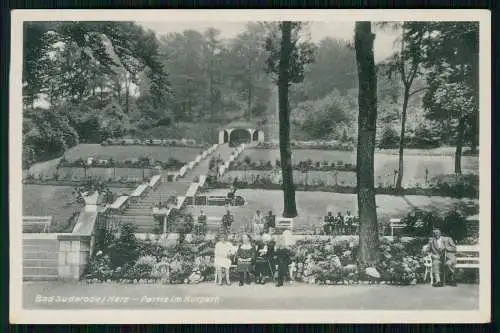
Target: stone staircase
<point x="140" y="213"/>
<point x="40" y="259"/>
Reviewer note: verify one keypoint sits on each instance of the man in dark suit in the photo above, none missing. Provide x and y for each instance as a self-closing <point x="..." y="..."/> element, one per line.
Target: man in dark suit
<point x="339" y="223"/>
<point x="442" y="250"/>
<point x="283" y="259"/>
<point x="329" y="223"/>
<point x="270" y="223"/>
<point x="227" y="221"/>
<point x="202" y="223"/>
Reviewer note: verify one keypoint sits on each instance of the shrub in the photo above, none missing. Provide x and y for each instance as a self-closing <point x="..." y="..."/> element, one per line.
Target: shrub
<point x="420" y="224"/>
<point x="424" y="137"/>
<point x="454" y="225"/>
<point x="125" y="248"/>
<point x="389" y="138"/>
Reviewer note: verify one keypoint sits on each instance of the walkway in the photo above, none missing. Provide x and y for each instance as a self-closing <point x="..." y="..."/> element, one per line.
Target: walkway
<point x="140" y="213"/>
<point x="262" y="297"/>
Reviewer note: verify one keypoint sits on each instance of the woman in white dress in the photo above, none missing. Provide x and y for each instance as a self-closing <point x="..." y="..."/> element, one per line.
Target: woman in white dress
<point x="222" y="262"/>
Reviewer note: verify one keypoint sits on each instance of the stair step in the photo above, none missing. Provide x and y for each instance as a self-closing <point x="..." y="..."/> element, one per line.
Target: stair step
<point x="40" y="271"/>
<point x="30" y="277"/>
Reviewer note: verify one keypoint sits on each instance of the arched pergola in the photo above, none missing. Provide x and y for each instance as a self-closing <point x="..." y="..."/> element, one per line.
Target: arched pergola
<point x="256" y="135"/>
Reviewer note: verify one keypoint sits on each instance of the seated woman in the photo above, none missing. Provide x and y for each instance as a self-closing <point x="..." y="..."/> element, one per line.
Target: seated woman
<point x="245" y="258"/>
<point x="222" y="261"/>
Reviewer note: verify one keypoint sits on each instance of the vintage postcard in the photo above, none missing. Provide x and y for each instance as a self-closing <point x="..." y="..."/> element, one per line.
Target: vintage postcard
<point x="250" y="166"/>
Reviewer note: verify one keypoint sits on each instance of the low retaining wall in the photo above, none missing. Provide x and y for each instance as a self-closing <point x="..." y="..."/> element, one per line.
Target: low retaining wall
<point x="56" y="256"/>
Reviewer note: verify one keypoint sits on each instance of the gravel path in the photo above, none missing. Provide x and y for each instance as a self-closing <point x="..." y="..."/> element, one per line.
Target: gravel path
<point x="37" y="295"/>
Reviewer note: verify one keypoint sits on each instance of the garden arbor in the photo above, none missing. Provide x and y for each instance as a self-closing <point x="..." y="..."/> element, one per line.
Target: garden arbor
<point x="237" y="133"/>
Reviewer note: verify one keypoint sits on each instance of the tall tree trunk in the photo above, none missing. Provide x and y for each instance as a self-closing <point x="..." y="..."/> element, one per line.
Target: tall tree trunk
<point x="290" y="208"/>
<point x="127" y="93"/>
<point x="474" y="134"/>
<point x="249" y="102"/>
<point x="402" y="139"/>
<point x="367" y="121"/>
<point x="459" y="145"/>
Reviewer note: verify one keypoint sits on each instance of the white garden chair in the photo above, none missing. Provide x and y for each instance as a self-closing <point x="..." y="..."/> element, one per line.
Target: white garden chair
<point x="428" y="268"/>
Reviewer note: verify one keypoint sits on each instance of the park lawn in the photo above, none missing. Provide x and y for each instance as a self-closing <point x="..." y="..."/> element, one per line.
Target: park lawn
<point x="416" y="161"/>
<point x="120" y="153"/>
<point x="56" y="201"/>
<point x="313" y="206"/>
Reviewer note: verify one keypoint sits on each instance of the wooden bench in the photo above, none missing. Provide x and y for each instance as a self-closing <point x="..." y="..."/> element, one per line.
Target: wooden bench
<point x="216" y="201"/>
<point x="284" y="223"/>
<point x="43" y="221"/>
<point x="396" y="224"/>
<point x="214" y="223"/>
<point x="467" y="256"/>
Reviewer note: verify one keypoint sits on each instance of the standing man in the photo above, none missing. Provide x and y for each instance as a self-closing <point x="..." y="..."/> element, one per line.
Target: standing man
<point x="227" y="221"/>
<point x="349" y="219"/>
<point x="339" y="221"/>
<point x="328" y="223"/>
<point x="442" y="250"/>
<point x="270" y="223"/>
<point x="202" y="223"/>
<point x="282" y="260"/>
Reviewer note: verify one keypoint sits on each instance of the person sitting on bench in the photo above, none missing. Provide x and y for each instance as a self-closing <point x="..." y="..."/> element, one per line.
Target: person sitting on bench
<point x="230" y="194"/>
<point x="442" y="250"/>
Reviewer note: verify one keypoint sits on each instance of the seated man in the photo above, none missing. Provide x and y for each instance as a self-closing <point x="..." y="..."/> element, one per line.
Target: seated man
<point x="230" y="194"/>
<point x="227" y="221"/>
<point x="202" y="223"/>
<point x="442" y="250"/>
<point x="329" y="223"/>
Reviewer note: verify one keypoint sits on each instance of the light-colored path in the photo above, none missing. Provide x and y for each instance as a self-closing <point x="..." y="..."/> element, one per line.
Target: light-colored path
<point x="210" y="296"/>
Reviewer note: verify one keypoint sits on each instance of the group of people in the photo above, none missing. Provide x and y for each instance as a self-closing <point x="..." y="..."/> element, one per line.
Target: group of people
<point x="263" y="259"/>
<point x="339" y="225"/>
<point x="263" y="224"/>
<point x="225" y="226"/>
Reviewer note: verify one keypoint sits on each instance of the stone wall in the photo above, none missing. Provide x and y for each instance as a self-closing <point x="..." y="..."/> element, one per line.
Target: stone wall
<point x="55" y="256"/>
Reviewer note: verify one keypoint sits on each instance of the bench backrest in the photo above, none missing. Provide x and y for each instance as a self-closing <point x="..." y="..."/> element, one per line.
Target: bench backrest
<point x="396" y="223"/>
<point x="284" y="223"/>
<point x="467" y="256"/>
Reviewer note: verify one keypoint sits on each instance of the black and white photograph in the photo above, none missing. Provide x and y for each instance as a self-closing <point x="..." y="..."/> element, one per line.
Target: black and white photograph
<point x="240" y="166"/>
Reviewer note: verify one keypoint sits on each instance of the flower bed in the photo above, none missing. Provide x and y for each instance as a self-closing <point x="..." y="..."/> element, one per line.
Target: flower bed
<point x="141" y="163"/>
<point x="304" y="166"/>
<point x="154" y="142"/>
<point x="323" y="145"/>
<point x="334" y="261"/>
